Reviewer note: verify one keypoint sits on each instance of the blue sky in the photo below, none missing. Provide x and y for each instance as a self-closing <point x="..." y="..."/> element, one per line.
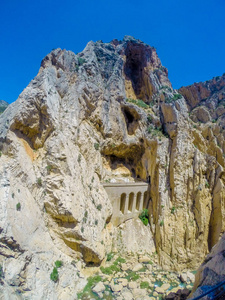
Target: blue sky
<point x="189" y="35"/>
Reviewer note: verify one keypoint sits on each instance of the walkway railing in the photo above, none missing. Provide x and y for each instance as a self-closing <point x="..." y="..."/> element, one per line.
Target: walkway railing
<point x="218" y="292"/>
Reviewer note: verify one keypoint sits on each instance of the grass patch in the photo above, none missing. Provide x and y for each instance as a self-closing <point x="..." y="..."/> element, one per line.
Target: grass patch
<point x="144" y="285"/>
<point x="114" y="268"/>
<point x="138" y="102"/>
<point x="110" y="270"/>
<point x="132" y="276"/>
<point x="142" y="270"/>
<point x="119" y="260"/>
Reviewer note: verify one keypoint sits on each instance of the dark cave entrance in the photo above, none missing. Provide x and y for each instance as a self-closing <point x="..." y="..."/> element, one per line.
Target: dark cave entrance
<point x="137" y="56"/>
<point x="131" y="119"/>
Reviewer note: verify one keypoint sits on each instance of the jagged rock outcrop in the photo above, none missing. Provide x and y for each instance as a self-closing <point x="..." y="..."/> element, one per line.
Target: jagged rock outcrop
<point x="211" y="272"/>
<point x="107" y="112"/>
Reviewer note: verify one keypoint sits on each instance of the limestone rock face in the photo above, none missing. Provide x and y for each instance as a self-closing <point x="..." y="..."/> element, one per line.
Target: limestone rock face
<point x="107" y="113"/>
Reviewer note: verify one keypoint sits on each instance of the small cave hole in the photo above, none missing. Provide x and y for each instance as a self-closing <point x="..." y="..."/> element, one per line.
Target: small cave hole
<point x="128" y="116"/>
<point x="131" y="118"/>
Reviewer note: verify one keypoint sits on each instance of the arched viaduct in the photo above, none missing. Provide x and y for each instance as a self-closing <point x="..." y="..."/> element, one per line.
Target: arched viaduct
<point x="128" y="199"/>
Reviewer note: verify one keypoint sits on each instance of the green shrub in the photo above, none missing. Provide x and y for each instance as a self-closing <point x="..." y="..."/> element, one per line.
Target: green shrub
<point x="39" y="181"/>
<point x="58" y="263"/>
<point x="150" y="129"/>
<point x="144" y="217"/>
<point x="161" y="223"/>
<point x="96" y="222"/>
<point x="149" y="118"/>
<point x="79" y="158"/>
<point x="109" y="256"/>
<point x="173" y="210"/>
<point x="176" y="97"/>
<point x="99" y="207"/>
<point x="18" y="206"/>
<point x="13" y="195"/>
<point x="49" y="168"/>
<point x="81" y="61"/>
<point x="54" y="276"/>
<point x="96" y="145"/>
<point x="156" y="131"/>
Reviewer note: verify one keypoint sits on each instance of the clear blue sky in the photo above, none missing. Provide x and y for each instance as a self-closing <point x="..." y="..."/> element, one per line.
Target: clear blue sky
<point x="189" y="35"/>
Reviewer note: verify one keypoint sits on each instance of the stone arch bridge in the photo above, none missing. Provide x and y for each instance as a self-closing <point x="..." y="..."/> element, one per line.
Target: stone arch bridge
<point x="128" y="200"/>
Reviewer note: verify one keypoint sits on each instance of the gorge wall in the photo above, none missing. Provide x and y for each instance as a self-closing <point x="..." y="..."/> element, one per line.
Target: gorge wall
<point x="107" y="114"/>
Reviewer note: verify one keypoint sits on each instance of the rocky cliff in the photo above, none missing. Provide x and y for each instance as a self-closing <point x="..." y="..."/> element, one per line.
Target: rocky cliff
<point x="106" y="114"/>
<point x="211" y="272"/>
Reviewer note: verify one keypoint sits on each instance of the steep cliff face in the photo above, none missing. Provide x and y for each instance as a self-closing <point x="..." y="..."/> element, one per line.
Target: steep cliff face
<point x="107" y="113"/>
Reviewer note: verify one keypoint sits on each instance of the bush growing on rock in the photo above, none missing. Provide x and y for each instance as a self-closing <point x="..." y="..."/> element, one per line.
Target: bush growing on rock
<point x="18" y="206"/>
<point x="96" y="145"/>
<point x="144" y="217"/>
<point x="58" y="263"/>
<point x="54" y="276"/>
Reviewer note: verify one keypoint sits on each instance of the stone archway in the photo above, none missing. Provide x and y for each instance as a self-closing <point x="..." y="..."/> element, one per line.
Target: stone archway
<point x="123" y="203"/>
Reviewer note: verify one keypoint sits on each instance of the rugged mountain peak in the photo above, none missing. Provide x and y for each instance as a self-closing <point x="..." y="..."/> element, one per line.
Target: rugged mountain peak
<point x="129" y="57"/>
<point x="107" y="115"/>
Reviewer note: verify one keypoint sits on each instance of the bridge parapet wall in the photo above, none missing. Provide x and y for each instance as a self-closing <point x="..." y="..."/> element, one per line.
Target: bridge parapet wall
<point x="128" y="200"/>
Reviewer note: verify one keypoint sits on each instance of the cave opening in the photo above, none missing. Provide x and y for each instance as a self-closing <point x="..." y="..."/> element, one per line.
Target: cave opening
<point x="131" y="118"/>
<point x="128" y="116"/>
<point x="137" y="57"/>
